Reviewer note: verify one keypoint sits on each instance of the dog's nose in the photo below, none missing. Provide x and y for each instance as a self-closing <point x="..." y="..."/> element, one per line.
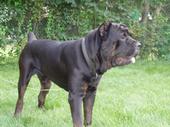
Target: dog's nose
<point x="138" y="44"/>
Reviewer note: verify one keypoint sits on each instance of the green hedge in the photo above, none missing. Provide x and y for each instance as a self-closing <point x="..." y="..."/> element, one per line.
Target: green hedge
<point x="71" y="19"/>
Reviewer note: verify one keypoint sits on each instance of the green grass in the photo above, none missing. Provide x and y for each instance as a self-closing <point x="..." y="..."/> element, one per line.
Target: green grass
<point x="136" y="95"/>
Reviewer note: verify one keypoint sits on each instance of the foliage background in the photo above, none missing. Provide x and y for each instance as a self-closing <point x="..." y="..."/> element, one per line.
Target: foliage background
<point x="71" y="19"/>
<point x="139" y="95"/>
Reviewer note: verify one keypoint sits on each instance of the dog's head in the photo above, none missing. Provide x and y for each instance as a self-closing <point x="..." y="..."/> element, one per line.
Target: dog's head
<point x="117" y="45"/>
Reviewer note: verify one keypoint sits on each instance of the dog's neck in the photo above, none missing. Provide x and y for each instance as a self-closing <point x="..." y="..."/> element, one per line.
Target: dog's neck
<point x="85" y="54"/>
<point x="90" y="62"/>
<point x="92" y="57"/>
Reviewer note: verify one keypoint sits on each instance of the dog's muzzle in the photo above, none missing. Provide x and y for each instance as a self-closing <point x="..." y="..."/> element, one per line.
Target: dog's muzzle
<point x="124" y="60"/>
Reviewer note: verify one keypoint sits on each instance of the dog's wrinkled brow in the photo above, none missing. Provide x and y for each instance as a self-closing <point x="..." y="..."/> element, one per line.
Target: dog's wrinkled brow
<point x="124" y="28"/>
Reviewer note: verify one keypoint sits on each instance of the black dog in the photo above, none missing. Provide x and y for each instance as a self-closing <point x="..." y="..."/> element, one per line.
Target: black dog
<point x="76" y="66"/>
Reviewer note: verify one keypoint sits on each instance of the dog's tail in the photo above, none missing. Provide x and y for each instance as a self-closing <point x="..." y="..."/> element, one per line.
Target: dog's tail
<point x="31" y="37"/>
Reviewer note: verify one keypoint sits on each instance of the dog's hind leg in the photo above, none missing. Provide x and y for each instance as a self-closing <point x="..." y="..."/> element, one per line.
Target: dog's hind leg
<point x="25" y="69"/>
<point x="45" y="86"/>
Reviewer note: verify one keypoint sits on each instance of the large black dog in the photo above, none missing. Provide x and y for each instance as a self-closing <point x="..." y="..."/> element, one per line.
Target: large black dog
<point x="76" y="66"/>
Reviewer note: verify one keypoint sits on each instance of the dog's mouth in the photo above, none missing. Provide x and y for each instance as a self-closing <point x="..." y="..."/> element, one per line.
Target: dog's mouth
<point x="124" y="60"/>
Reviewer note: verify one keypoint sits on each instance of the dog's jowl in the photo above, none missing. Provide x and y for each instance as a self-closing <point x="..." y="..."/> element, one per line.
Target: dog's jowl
<point x="76" y="66"/>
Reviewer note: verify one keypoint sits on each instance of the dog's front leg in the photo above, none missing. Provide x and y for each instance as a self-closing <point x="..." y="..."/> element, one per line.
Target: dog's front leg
<point x="88" y="103"/>
<point x="75" y="102"/>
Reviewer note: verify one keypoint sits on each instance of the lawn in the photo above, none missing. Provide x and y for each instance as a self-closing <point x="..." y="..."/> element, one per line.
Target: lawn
<point x="136" y="95"/>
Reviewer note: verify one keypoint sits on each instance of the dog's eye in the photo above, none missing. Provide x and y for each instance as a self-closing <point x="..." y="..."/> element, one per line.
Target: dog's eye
<point x="125" y="34"/>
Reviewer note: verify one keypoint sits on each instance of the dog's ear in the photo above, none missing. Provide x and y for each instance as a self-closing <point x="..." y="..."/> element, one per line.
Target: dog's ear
<point x="104" y="30"/>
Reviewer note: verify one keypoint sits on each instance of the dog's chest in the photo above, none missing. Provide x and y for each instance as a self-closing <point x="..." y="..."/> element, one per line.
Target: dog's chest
<point x="84" y="88"/>
<point x="89" y="86"/>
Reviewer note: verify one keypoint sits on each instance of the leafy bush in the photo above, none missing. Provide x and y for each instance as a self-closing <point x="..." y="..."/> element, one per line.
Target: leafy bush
<point x="71" y="19"/>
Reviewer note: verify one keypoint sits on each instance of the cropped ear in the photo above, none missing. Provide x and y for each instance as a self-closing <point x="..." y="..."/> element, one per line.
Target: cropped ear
<point x="104" y="30"/>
